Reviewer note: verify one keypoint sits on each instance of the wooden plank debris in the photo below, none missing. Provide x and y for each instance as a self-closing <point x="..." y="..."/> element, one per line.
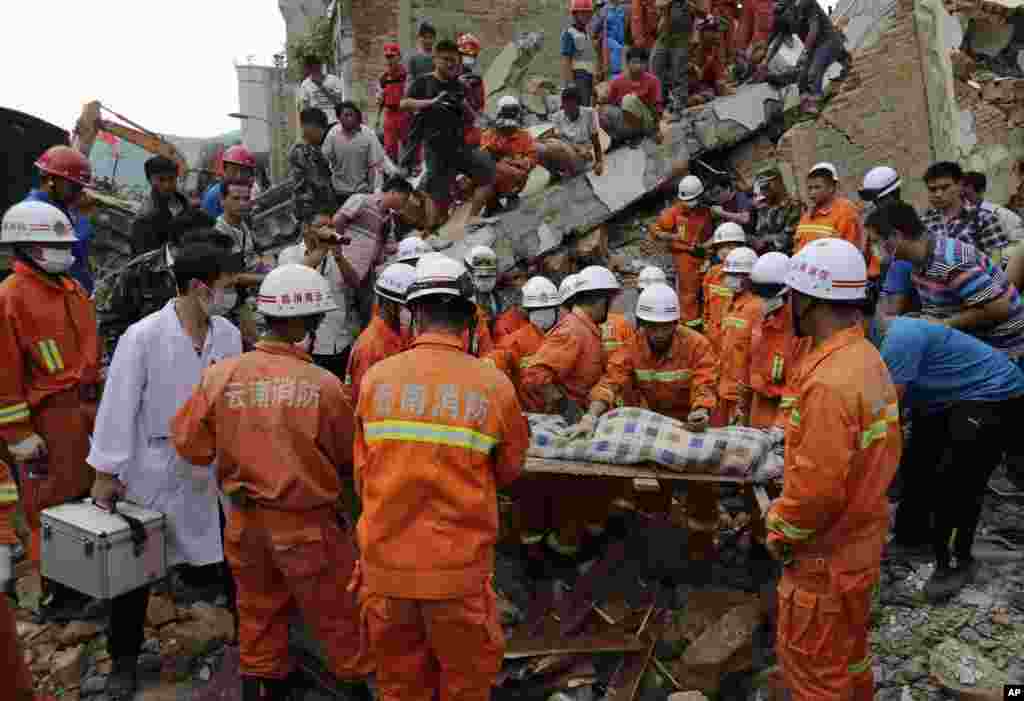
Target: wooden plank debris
<point x="594" y="469"/>
<point x="583" y="644"/>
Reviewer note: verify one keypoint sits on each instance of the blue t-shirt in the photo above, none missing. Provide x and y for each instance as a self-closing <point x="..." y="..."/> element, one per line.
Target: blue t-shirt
<point x="211" y="203"/>
<point x="942" y="366"/>
<point x="897" y="279"/>
<point x="80" y="249"/>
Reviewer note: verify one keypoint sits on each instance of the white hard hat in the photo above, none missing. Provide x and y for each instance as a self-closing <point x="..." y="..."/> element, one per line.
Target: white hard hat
<point x="437" y="274"/>
<point x="729" y="232"/>
<point x="650" y="275"/>
<point x="658" y="303"/>
<point x="879" y="181"/>
<point x="507" y="101"/>
<point x="482" y="258"/>
<point x="770" y="269"/>
<point x="595" y="278"/>
<point x="826" y="166"/>
<point x="412" y="248"/>
<point x="394" y="281"/>
<point x="540" y="293"/>
<point x="566" y="289"/>
<point x="740" y="262"/>
<point x="294" y="290"/>
<point x="690" y="188"/>
<point x="36" y="222"/>
<point x="831" y="269"/>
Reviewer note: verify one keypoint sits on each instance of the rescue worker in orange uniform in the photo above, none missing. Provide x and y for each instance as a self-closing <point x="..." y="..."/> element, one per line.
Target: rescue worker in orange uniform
<point x="717" y="297"/>
<point x="686" y="228"/>
<point x="515" y="352"/>
<point x="437" y="433"/>
<point x="383" y="337"/>
<point x="737" y="325"/>
<point x="392" y="90"/>
<point x="843" y="444"/>
<point x="280" y="429"/>
<point x="830" y="216"/>
<point x="476" y="90"/>
<point x="512" y="148"/>
<point x="772" y="344"/>
<point x="514" y="317"/>
<point x="557" y="510"/>
<point x="49" y="387"/>
<point x="12" y="659"/>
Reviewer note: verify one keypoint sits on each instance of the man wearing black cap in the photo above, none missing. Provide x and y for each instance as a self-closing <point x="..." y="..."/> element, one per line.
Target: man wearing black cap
<point x="778" y="214"/>
<point x="422" y="62"/>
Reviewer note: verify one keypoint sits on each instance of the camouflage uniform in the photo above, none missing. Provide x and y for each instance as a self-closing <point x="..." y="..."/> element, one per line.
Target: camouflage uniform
<point x="311" y="177"/>
<point x="776" y="227"/>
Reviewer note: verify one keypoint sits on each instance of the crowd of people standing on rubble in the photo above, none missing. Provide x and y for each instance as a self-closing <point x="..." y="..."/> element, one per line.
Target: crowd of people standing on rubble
<point x="326" y="432"/>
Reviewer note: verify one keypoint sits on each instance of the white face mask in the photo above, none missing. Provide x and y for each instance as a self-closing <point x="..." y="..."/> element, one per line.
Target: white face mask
<point x="544" y="319"/>
<point x="56" y="260"/>
<point x="306" y="344"/>
<point x="223" y="301"/>
<point x="404" y="318"/>
<point x="733" y="282"/>
<point x="485" y="283"/>
<point x="468" y="62"/>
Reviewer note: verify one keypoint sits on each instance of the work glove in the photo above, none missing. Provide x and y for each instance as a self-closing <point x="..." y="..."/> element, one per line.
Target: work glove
<point x="107" y="489"/>
<point x="31" y="448"/>
<point x="697" y="421"/>
<point x="5" y="567"/>
<point x="583" y="429"/>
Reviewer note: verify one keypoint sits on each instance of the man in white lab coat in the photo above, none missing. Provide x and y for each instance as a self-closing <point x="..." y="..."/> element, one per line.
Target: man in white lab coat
<point x="157" y="364"/>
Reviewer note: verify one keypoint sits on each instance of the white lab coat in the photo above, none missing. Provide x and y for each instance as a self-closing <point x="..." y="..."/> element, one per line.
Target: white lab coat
<point x="153" y="373"/>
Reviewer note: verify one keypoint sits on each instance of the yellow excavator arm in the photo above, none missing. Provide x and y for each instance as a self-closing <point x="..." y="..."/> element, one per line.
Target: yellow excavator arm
<point x="91" y="123"/>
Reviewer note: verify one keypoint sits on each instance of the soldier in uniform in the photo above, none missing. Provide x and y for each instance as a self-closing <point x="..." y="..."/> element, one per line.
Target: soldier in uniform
<point x="778" y="214"/>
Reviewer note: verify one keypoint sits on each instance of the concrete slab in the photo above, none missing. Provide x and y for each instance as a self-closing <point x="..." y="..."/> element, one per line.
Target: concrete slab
<point x="623" y="179"/>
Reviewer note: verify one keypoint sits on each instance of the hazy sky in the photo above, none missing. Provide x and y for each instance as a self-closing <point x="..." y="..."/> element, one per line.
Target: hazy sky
<point x="167" y="65"/>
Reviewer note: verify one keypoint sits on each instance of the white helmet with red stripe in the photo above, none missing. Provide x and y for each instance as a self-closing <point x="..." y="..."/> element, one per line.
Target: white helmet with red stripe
<point x="36" y="222"/>
<point x="294" y="290"/>
<point x="829" y="269"/>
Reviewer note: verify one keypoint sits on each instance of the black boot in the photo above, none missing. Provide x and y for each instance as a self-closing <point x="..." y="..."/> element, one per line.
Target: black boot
<point x="251" y="688"/>
<point x="123" y="680"/>
<point x="278" y="689"/>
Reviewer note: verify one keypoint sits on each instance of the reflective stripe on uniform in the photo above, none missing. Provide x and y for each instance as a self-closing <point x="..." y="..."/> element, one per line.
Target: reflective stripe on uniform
<point x="8" y="493"/>
<point x="525" y="361"/>
<point x="787" y="530"/>
<point x="51" y="355"/>
<point x="861" y="666"/>
<point x="878" y="429"/>
<point x="777" y="368"/>
<point x="348" y="379"/>
<point x="14" y="413"/>
<point x="787" y="402"/>
<point x="720" y="290"/>
<point x="734" y="322"/>
<point x="662" y="375"/>
<point x="435" y="434"/>
<point x="823" y="229"/>
<point x="612" y="345"/>
<point x="794" y="416"/>
<point x="694" y="324"/>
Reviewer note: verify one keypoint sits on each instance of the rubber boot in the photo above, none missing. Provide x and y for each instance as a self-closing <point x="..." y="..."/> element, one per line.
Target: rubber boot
<point x="123" y="680"/>
<point x="252" y="688"/>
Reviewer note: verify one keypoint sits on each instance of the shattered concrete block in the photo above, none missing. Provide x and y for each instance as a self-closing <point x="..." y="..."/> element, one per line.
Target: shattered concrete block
<point x="593" y="244"/>
<point x="77" y="632"/>
<point x="687" y="696"/>
<point x="962" y="670"/>
<point x="161" y="611"/>
<point x="218" y="621"/>
<point x="505" y="74"/>
<point x="67" y="666"/>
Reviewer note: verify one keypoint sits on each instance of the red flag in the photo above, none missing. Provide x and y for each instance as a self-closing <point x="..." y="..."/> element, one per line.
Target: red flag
<point x="112" y="140"/>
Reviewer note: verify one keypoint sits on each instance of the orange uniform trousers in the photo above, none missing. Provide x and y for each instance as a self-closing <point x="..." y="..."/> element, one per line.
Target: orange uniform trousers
<point x="285" y="561"/>
<point x="689" y="280"/>
<point x="434" y="650"/>
<point x="764" y="411"/>
<point x="12" y="661"/>
<point x="65" y="422"/>
<point x="821" y="636"/>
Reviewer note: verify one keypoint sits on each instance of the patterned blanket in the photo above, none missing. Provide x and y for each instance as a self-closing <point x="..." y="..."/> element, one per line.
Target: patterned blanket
<point x="632" y="436"/>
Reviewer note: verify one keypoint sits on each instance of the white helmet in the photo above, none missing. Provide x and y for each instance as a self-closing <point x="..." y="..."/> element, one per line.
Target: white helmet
<point x="437" y="274"/>
<point x="658" y="303"/>
<point x="566" y="289"/>
<point x="770" y="269"/>
<point x="690" y="188"/>
<point x="294" y="290"/>
<point x="740" y="262"/>
<point x="831" y="269"/>
<point x="36" y="222"/>
<point x="729" y="232"/>
<point x="508" y="101"/>
<point x="540" y="293"/>
<point x="412" y="248"/>
<point x="650" y="275"/>
<point x="595" y="278"/>
<point x="509" y="112"/>
<point x="827" y="167"/>
<point x="878" y="182"/>
<point x="482" y="259"/>
<point x="394" y="281"/>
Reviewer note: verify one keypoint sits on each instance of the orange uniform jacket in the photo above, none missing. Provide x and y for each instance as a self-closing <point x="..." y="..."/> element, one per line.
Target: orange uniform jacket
<point x="8" y="505"/>
<point x="507" y="323"/>
<point x="643" y="23"/>
<point x="717" y="300"/>
<point x="437" y="432"/>
<point x="756" y="23"/>
<point x="515" y="352"/>
<point x="843" y="443"/>
<point x="615" y="332"/>
<point x="571" y="358"/>
<point x="840" y="220"/>
<point x="772" y="349"/>
<point x="279" y="427"/>
<point x="518" y="146"/>
<point x="737" y="327"/>
<point x="49" y="343"/>
<point x="691" y="230"/>
<point x="482" y="341"/>
<point x="376" y="342"/>
<point x="674" y="384"/>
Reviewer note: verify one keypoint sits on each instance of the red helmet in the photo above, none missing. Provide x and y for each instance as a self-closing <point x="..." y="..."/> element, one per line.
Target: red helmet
<point x="240" y="156"/>
<point x="392" y="49"/>
<point x="65" y="162"/>
<point x="469" y="45"/>
<point x="581" y="5"/>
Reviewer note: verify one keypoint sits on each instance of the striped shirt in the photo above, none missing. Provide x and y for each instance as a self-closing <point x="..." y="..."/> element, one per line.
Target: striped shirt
<point x="363" y="219"/>
<point x="957" y="276"/>
<point x="978" y="226"/>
